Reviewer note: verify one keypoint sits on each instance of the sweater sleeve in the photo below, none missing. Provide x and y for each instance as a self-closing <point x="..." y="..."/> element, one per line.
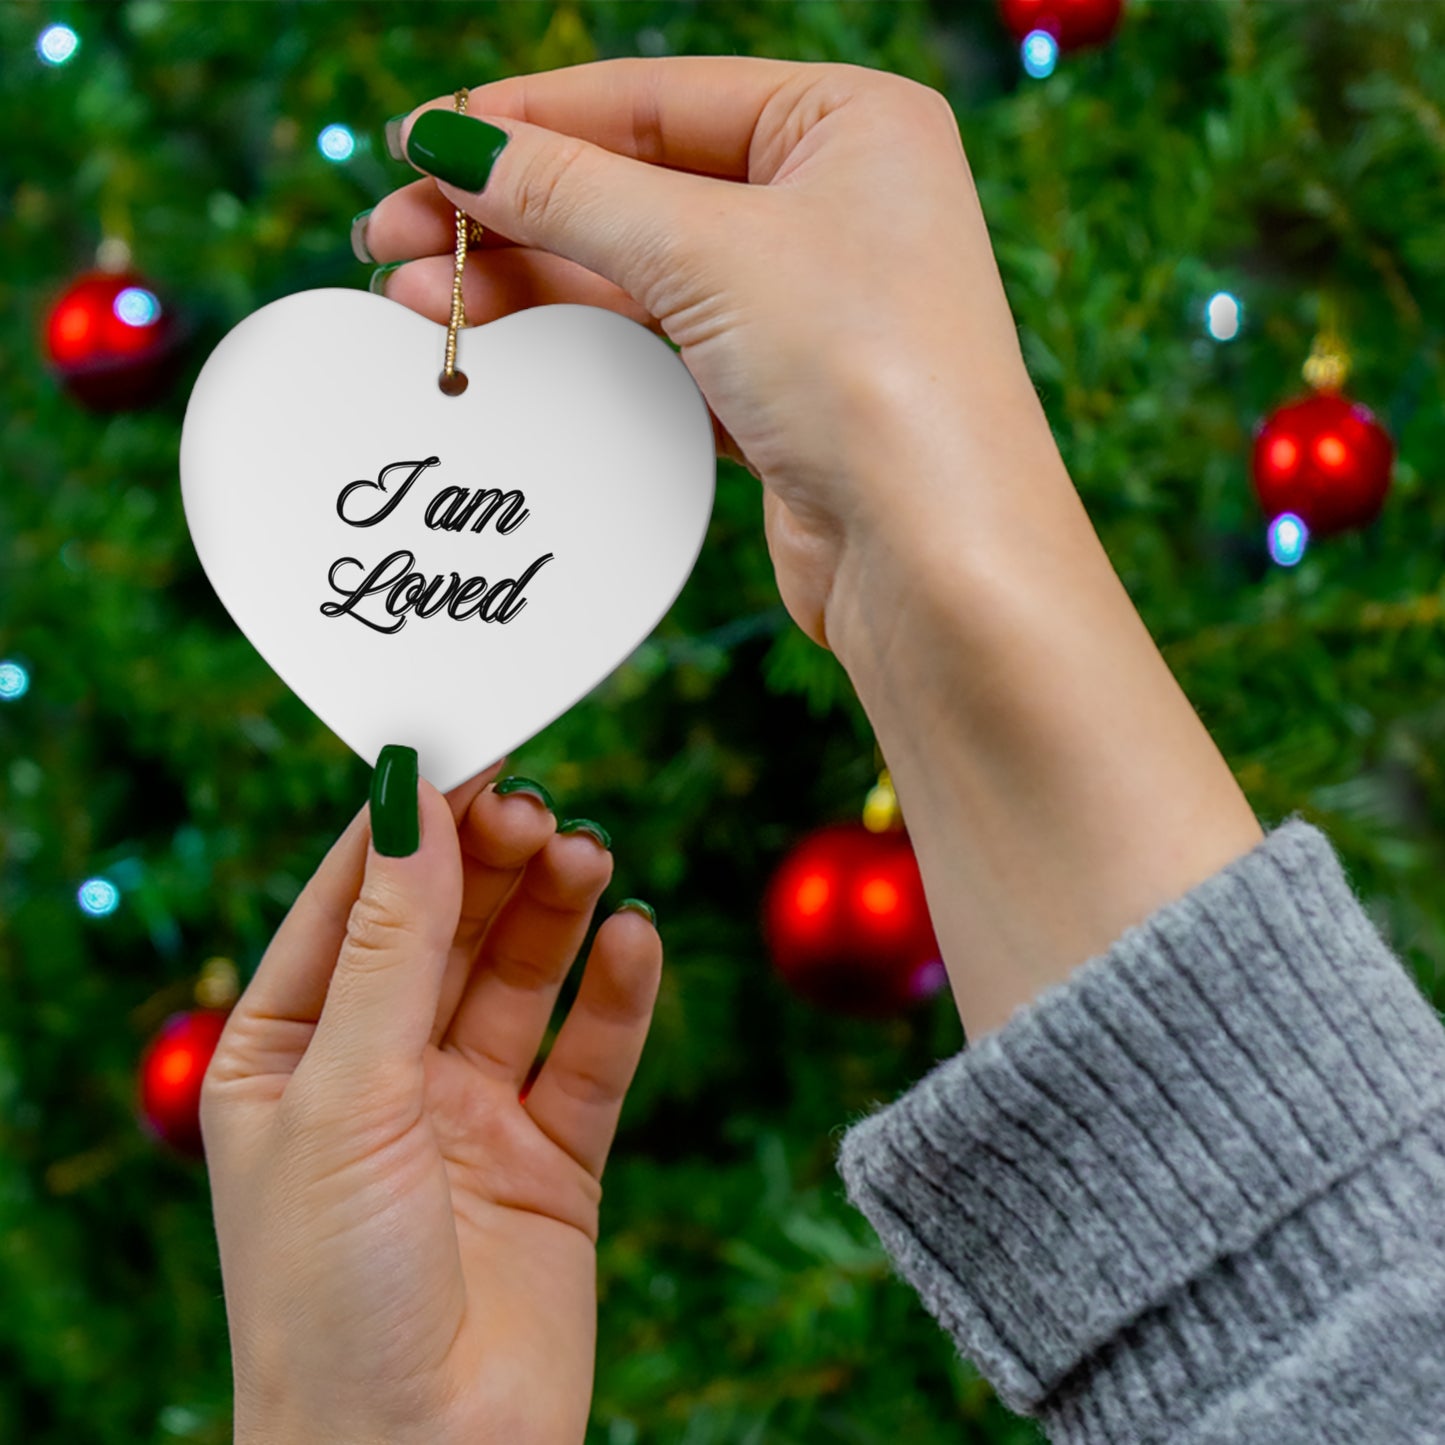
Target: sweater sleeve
<point x="1196" y="1192"/>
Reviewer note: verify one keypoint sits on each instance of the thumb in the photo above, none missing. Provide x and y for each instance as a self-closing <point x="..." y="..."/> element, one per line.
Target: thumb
<point x="621" y="218"/>
<point x="382" y="999"/>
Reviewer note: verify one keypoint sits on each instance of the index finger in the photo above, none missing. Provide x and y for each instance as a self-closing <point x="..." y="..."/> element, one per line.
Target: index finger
<point x="696" y="113"/>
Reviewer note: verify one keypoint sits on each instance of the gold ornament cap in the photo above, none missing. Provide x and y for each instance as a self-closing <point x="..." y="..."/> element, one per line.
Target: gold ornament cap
<point x="113" y="254"/>
<point x="1328" y="365"/>
<point x="219" y="985"/>
<point x="881" y="813"/>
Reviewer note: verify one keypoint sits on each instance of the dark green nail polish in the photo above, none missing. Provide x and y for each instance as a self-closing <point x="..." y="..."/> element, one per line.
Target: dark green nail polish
<point x="377" y="284"/>
<point x="393" y="136"/>
<point x="586" y="825"/>
<point x="359" y="248"/>
<point x="636" y="905"/>
<point x="455" y="148"/>
<point x="395" y="815"/>
<point x="526" y="785"/>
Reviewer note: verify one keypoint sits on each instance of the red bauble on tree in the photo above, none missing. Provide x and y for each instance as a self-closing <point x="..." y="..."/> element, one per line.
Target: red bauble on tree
<point x="173" y="1067"/>
<point x="847" y="924"/>
<point x="1324" y="458"/>
<point x="111" y="341"/>
<point x="171" y="1071"/>
<point x="1073" y="23"/>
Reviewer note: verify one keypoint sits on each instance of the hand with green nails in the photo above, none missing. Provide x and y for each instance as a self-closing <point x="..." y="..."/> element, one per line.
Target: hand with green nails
<point x="406" y="1205"/>
<point x="810" y="238"/>
<point x="807" y="235"/>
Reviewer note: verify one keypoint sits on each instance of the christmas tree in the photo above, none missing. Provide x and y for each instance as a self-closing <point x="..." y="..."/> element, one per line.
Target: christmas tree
<point x="1180" y="214"/>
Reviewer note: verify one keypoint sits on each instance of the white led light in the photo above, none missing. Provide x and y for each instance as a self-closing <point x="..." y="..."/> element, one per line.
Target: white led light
<point x="1040" y="53"/>
<point x="137" y="307"/>
<point x="1223" y="316"/>
<point x="98" y="897"/>
<point x="57" y="44"/>
<point x="336" y="143"/>
<point x="14" y="681"/>
<point x="1288" y="537"/>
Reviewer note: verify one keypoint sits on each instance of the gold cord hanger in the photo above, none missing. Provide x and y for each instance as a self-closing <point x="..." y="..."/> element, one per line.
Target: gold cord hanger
<point x="452" y="381"/>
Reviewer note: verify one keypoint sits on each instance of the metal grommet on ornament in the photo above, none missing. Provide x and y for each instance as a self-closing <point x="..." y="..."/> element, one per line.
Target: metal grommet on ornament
<point x="452" y="381"/>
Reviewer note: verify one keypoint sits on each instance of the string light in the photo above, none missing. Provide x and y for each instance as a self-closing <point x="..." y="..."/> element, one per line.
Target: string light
<point x="336" y="143"/>
<point x="137" y="307"/>
<point x="98" y="897"/>
<point x="1288" y="537"/>
<point x="1223" y="316"/>
<point x="1040" y="53"/>
<point x="14" y="681"/>
<point x="57" y="44"/>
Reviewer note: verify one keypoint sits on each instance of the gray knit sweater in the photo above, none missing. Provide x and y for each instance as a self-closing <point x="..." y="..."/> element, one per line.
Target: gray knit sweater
<point x="1197" y="1191"/>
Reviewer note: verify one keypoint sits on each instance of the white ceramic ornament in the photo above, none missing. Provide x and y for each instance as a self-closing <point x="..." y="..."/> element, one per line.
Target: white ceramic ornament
<point x="446" y="572"/>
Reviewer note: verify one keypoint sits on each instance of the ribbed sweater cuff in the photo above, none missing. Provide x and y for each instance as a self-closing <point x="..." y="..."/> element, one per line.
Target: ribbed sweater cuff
<point x="1131" y="1158"/>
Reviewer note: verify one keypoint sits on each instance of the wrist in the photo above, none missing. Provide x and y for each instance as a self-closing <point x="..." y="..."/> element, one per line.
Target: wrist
<point x="1057" y="784"/>
<point x="294" y="1421"/>
<point x="283" y="1430"/>
<point x="953" y="514"/>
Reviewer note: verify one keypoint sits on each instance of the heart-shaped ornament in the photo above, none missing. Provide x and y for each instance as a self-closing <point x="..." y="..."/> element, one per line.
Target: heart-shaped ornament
<point x="447" y="572"/>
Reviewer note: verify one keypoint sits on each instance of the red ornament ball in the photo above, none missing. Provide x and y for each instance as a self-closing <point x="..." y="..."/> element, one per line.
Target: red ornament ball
<point x="1073" y="23"/>
<point x="111" y="341"/>
<point x="171" y="1071"/>
<point x="1324" y="458"/>
<point x="847" y="924"/>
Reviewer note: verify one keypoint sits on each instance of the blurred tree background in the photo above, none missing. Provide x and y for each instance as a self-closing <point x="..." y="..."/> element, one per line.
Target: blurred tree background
<point x="1291" y="154"/>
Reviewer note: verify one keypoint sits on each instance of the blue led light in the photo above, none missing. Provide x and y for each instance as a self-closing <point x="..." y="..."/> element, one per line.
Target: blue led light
<point x="137" y="307"/>
<point x="57" y="44"/>
<point x="1040" y="52"/>
<point x="14" y="681"/>
<point x="98" y="897"/>
<point x="336" y="143"/>
<point x="1223" y="316"/>
<point x="1288" y="537"/>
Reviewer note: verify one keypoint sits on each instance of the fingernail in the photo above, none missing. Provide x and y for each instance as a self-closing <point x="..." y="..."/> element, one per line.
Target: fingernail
<point x="359" y="248"/>
<point x="526" y="785"/>
<point x="636" y="905"/>
<point x="393" y="137"/>
<point x="395" y="814"/>
<point x="379" y="277"/>
<point x="586" y="825"/>
<point x="455" y="148"/>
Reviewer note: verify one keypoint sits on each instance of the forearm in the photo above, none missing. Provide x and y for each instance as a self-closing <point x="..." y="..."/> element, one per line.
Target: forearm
<point x="1057" y="784"/>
